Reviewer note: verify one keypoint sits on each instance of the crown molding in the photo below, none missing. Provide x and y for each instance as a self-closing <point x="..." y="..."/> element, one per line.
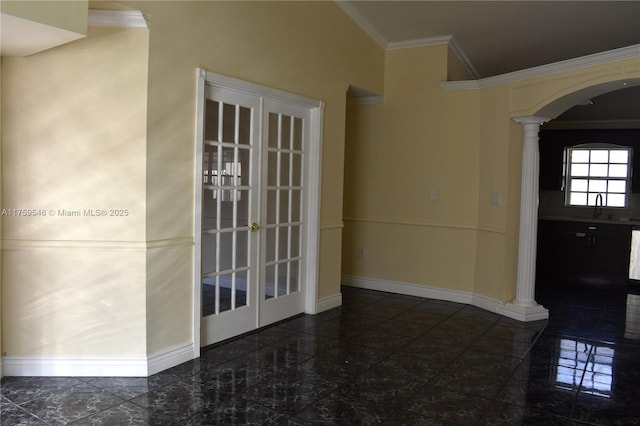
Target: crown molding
<point x="464" y="59"/>
<point x="461" y="85"/>
<point x="623" y="53"/>
<point x="376" y="36"/>
<point x="478" y="83"/>
<point x="118" y="18"/>
<point x="357" y="17"/>
<point x="419" y="42"/>
<point x="438" y="41"/>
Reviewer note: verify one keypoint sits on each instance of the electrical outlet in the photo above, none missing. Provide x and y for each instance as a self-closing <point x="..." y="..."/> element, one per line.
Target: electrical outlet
<point x="496" y="198"/>
<point x="362" y="253"/>
<point x="433" y="195"/>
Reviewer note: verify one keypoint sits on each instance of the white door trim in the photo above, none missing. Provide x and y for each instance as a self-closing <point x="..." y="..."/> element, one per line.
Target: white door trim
<point x="197" y="189"/>
<point x="314" y="188"/>
<point x="314" y="164"/>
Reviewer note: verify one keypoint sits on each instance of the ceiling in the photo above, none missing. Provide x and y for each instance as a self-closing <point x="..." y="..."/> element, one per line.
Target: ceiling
<point x="498" y="37"/>
<point x="492" y="37"/>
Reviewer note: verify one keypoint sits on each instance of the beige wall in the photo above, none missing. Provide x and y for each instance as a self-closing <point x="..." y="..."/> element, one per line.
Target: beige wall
<point x="462" y="143"/>
<point x="492" y="275"/>
<point x="420" y="140"/>
<point x="307" y="48"/>
<point x="74" y="140"/>
<point x="109" y="122"/>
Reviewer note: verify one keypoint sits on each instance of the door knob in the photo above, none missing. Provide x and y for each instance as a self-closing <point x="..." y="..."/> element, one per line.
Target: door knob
<point x="254" y="227"/>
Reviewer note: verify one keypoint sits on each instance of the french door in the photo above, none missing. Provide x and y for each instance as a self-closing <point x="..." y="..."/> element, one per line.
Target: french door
<point x="282" y="294"/>
<point x="252" y="233"/>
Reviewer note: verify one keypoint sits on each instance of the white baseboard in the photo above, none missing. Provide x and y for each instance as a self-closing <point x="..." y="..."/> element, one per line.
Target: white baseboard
<point x="408" y="289"/>
<point x="97" y="366"/>
<point x="76" y="366"/>
<point x="483" y="302"/>
<point x="487" y="303"/>
<point x="170" y="358"/>
<point x="329" y="302"/>
<point x="524" y="313"/>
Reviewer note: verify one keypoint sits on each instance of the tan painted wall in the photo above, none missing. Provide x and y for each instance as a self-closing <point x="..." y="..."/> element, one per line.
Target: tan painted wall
<point x="465" y="145"/>
<point x="55" y="106"/>
<point x="420" y="140"/>
<point x="73" y="141"/>
<point x="144" y="163"/>
<point x="493" y="254"/>
<point x="308" y="48"/>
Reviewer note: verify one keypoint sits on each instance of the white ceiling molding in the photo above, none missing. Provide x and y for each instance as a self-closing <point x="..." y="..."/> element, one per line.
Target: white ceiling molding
<point x="457" y="50"/>
<point x="461" y="85"/>
<point x="437" y="41"/>
<point x="623" y="53"/>
<point x="363" y="23"/>
<point x="419" y="42"/>
<point x="118" y="18"/>
<point x="375" y="35"/>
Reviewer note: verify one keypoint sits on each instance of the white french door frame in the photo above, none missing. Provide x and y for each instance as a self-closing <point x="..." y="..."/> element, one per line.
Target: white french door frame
<point x="311" y="201"/>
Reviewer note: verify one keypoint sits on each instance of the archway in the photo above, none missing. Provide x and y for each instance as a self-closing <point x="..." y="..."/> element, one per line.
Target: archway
<point x="524" y="305"/>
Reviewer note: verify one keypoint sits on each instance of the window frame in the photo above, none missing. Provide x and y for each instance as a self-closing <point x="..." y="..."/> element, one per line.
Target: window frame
<point x="590" y="202"/>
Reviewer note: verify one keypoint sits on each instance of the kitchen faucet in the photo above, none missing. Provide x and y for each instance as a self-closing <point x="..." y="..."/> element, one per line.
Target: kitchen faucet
<point x="597" y="209"/>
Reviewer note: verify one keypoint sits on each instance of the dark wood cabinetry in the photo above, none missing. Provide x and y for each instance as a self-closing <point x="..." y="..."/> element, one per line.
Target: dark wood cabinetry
<point x="552" y="146"/>
<point x="591" y="252"/>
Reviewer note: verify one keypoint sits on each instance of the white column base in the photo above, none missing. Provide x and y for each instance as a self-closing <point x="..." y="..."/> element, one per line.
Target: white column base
<point x="525" y="313"/>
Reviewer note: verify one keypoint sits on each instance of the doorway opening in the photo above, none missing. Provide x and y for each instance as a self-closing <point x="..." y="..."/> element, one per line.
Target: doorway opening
<point x="586" y="249"/>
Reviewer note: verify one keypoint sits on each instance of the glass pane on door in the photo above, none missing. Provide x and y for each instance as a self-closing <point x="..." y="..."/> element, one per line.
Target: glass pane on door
<point x="283" y="205"/>
<point x="226" y="207"/>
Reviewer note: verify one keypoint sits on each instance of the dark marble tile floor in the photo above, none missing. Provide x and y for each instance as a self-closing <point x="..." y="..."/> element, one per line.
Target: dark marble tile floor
<point x="380" y="359"/>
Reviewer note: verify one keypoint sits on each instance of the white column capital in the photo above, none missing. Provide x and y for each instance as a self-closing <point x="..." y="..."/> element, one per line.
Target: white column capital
<point x="531" y="119"/>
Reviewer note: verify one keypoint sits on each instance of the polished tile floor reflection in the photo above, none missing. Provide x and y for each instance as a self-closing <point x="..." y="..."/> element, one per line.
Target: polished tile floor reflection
<point x="380" y="359"/>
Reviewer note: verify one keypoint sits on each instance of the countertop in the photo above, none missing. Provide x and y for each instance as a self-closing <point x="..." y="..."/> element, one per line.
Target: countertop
<point x="615" y="221"/>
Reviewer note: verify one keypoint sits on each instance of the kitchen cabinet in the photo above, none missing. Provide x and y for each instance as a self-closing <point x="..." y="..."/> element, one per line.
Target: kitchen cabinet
<point x="577" y="251"/>
<point x="552" y="146"/>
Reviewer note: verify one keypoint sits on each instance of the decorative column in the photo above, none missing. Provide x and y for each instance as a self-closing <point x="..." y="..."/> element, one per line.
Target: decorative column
<point x="524" y="306"/>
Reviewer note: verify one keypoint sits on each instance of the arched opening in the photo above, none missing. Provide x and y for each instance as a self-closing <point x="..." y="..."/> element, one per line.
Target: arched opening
<point x="560" y="106"/>
<point x="565" y="239"/>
